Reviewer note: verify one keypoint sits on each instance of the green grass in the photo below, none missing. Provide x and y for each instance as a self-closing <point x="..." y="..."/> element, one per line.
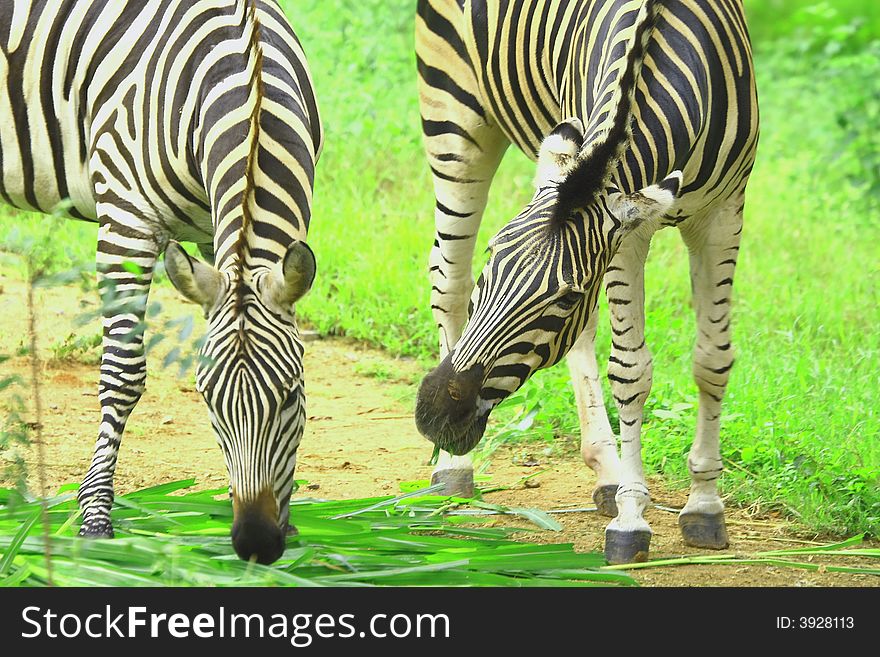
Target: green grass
<point x="801" y="427"/>
<point x="168" y="537"/>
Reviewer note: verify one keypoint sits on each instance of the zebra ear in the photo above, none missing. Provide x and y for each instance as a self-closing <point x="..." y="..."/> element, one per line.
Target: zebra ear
<point x="648" y="203"/>
<point x="292" y="278"/>
<point x="198" y="282"/>
<point x="558" y="152"/>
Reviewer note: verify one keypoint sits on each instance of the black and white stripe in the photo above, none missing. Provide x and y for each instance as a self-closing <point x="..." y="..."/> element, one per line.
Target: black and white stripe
<point x="176" y="120"/>
<point x="641" y="114"/>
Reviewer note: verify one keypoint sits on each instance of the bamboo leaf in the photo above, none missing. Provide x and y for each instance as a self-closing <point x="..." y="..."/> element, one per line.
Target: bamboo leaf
<point x="16" y="543"/>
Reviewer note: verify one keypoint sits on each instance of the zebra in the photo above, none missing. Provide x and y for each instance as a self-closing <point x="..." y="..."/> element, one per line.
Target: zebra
<point x="640" y="115"/>
<point x="168" y="121"/>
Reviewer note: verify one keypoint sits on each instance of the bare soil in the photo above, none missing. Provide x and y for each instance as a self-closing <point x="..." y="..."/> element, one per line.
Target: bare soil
<point x="360" y="441"/>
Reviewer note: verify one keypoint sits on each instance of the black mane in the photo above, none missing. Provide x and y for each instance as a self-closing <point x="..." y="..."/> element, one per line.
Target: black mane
<point x="592" y="173"/>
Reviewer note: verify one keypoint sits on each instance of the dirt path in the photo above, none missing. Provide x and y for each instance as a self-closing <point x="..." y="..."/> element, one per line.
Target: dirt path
<point x="360" y="441"/>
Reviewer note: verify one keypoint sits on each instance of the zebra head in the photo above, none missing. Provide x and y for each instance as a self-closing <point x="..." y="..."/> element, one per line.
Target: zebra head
<point x="534" y="295"/>
<point x="250" y="374"/>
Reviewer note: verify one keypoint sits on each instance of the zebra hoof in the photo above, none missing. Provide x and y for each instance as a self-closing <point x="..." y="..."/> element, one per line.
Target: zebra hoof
<point x="96" y="529"/>
<point x="704" y="530"/>
<point x="626" y="546"/>
<point x="604" y="498"/>
<point x="292" y="530"/>
<point x="457" y="483"/>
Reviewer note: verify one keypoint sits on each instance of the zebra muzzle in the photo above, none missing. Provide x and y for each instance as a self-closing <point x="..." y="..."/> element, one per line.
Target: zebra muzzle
<point x="447" y="407"/>
<point x="256" y="533"/>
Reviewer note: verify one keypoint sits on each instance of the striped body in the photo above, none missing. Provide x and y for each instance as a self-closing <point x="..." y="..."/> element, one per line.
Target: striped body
<point x="681" y="117"/>
<point x="640" y="115"/>
<point x="171" y="120"/>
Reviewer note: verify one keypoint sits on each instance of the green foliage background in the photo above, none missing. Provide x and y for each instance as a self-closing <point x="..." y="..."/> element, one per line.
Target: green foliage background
<point x="801" y="428"/>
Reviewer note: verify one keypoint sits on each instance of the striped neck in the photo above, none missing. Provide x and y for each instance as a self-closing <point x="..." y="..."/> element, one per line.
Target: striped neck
<point x="593" y="70"/>
<point x="600" y="77"/>
<point x="255" y="136"/>
<point x="228" y="136"/>
<point x="254" y="222"/>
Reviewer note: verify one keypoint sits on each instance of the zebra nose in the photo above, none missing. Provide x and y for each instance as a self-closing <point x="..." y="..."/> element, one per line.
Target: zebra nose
<point x="255" y="530"/>
<point x="253" y="537"/>
<point x="447" y="396"/>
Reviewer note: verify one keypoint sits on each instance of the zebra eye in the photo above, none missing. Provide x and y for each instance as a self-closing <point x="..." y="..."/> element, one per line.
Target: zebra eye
<point x="569" y="300"/>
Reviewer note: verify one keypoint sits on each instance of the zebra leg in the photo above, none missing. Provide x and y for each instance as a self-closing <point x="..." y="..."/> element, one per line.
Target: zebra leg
<point x="461" y="188"/>
<point x="713" y="247"/>
<point x="464" y="149"/>
<point x="124" y="291"/>
<point x="628" y="535"/>
<point x="598" y="444"/>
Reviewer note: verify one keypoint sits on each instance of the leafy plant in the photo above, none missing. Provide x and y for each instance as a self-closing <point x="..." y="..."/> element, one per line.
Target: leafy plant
<point x="169" y="537"/>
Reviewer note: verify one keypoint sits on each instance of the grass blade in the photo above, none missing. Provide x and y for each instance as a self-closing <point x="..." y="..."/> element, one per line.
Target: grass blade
<point x="16" y="543"/>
